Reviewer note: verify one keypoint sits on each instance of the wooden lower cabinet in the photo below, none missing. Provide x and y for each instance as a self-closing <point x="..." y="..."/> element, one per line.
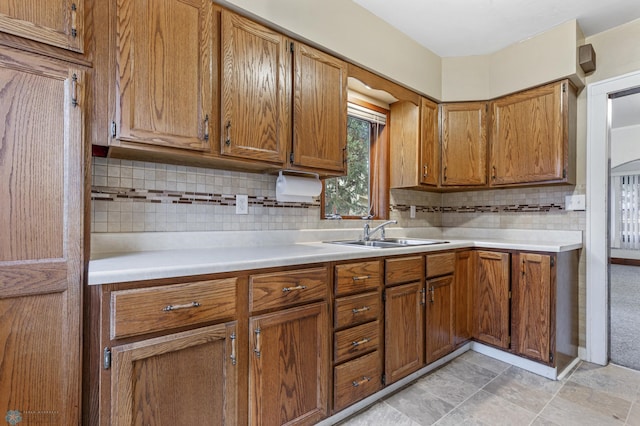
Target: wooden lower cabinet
<point x="491" y="298"/>
<point x="404" y="330"/>
<point x="289" y="366"/>
<point x="356" y="379"/>
<point x="182" y="378"/>
<point x="440" y="310"/>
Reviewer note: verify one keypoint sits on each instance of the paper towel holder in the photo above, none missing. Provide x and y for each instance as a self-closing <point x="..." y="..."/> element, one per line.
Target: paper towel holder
<point x="298" y="172"/>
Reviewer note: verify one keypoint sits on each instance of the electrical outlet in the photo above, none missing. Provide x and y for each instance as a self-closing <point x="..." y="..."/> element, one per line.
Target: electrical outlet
<point x="574" y="202"/>
<point x="412" y="212"/>
<point x="242" y="204"/>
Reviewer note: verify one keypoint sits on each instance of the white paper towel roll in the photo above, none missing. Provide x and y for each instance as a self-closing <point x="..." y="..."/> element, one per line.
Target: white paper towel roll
<point x="297" y="188"/>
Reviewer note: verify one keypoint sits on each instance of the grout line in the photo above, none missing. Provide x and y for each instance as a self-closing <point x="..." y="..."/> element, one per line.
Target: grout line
<point x="565" y="381"/>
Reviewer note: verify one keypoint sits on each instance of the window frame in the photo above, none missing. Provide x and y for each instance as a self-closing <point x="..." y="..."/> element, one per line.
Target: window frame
<point x="378" y="169"/>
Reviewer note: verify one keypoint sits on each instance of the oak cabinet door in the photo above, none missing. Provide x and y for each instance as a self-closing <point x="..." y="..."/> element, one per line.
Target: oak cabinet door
<point x="185" y="378"/>
<point x="440" y="308"/>
<point x="429" y="143"/>
<point x="464" y="144"/>
<point x="463" y="293"/>
<point x="532" y="298"/>
<point x="491" y="299"/>
<point x="531" y="136"/>
<point x="289" y="367"/>
<point x="319" y="110"/>
<point x="164" y="65"/>
<point x="404" y="330"/>
<point x="58" y="23"/>
<point x="255" y="90"/>
<point x="41" y="222"/>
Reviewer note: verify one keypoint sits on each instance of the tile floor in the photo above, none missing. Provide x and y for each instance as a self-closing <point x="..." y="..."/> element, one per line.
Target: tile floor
<point x="474" y="389"/>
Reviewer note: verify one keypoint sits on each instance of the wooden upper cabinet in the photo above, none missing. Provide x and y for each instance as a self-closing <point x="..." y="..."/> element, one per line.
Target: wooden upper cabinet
<point x="491" y="298"/>
<point x="415" y="144"/>
<point x="57" y="23"/>
<point x="429" y="143"/>
<point x="464" y="144"/>
<point x="533" y="136"/>
<point x="255" y="91"/>
<point x="163" y="80"/>
<point x="41" y="223"/>
<point x="319" y="111"/>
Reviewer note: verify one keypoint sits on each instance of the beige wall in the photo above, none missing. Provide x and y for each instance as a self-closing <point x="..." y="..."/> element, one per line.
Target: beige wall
<point x="351" y="31"/>
<point x="546" y="57"/>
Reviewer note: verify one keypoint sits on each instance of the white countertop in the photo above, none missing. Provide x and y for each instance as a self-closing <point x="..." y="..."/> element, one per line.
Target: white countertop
<point x="142" y="256"/>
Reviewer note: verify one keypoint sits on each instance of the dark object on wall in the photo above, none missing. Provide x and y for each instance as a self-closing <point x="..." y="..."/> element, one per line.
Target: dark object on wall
<point x="587" y="58"/>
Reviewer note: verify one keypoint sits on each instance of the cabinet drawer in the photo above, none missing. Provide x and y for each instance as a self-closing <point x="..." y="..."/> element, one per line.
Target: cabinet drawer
<point x="151" y="309"/>
<point x="357" y="309"/>
<point x="281" y="289"/>
<point x="403" y="270"/>
<point x="440" y="264"/>
<point x="354" y="341"/>
<point x="357" y="277"/>
<point x="357" y="379"/>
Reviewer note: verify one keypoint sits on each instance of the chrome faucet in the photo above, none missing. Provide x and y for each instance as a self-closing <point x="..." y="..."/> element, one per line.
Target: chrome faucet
<point x="368" y="231"/>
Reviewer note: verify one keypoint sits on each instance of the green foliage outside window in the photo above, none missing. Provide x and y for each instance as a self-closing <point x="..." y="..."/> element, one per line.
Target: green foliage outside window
<point x="349" y="195"/>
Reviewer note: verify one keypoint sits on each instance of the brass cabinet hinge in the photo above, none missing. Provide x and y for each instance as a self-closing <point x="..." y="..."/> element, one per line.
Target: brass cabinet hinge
<point x="564" y="173"/>
<point x="384" y="379"/>
<point x="106" y="358"/>
<point x="74" y="31"/>
<point x="509" y="294"/>
<point x="553" y="262"/>
<point x="113" y="129"/>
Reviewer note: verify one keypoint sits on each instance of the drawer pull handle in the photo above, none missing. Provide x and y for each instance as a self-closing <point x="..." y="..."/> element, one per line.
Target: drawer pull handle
<point x="298" y="287"/>
<point x="170" y="308"/>
<point x="362" y="278"/>
<point x="361" y="342"/>
<point x="364" y="380"/>
<point x="363" y="309"/>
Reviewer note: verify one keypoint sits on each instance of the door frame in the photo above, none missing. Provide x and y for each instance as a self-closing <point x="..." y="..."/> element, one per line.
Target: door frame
<point x="597" y="235"/>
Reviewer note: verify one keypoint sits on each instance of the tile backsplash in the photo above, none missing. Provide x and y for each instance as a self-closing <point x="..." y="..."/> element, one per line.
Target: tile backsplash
<point x="134" y="196"/>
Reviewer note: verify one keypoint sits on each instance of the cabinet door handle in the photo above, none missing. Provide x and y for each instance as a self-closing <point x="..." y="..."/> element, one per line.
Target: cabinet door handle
<point x="362" y="381"/>
<point x="257" y="348"/>
<point x="233" y="356"/>
<point x="361" y="342"/>
<point x="362" y="278"/>
<point x="423" y="296"/>
<point x="298" y="287"/>
<point x="170" y="308"/>
<point x="493" y="174"/>
<point x="227" y="128"/>
<point x="206" y="127"/>
<point x="359" y="310"/>
<point x="74" y="90"/>
<point x="445" y="174"/>
<point x="431" y="295"/>
<point x="425" y="171"/>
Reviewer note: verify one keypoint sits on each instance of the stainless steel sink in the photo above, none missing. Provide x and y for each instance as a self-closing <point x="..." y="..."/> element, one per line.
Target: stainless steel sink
<point x="388" y="243"/>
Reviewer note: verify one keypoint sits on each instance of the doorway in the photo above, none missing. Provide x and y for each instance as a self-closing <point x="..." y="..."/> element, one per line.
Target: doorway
<point x="598" y="199"/>
<point x="624" y="218"/>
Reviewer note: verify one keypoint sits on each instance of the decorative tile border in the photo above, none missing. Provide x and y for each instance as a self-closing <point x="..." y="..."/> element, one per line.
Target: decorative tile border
<point x="105" y="193"/>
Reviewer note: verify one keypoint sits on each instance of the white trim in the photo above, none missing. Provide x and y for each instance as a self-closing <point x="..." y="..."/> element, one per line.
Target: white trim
<point x="525" y="364"/>
<point x="597" y="256"/>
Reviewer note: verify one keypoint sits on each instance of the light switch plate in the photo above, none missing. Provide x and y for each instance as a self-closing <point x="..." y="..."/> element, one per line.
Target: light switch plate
<point x="574" y="202"/>
<point x="242" y="204"/>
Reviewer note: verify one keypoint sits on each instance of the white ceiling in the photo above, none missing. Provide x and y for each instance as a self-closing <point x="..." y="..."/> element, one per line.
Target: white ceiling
<point x="477" y="27"/>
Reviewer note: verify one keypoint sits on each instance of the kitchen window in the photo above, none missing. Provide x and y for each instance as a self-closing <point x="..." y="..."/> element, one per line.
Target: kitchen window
<point x="364" y="191"/>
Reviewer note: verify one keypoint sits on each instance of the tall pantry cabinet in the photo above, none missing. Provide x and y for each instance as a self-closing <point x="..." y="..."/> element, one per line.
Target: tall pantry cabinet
<point x="41" y="223"/>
